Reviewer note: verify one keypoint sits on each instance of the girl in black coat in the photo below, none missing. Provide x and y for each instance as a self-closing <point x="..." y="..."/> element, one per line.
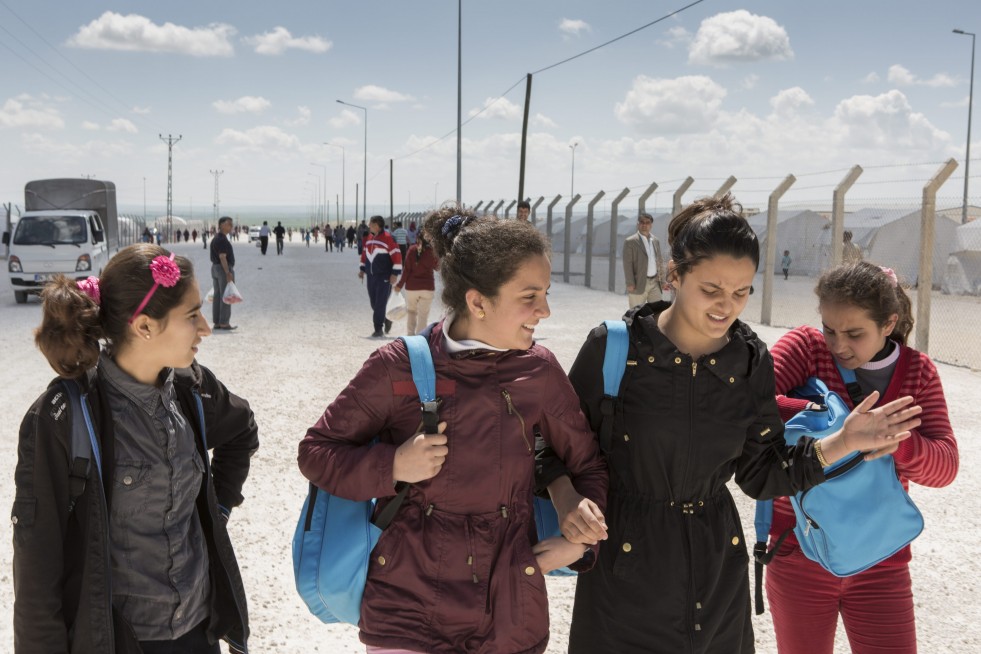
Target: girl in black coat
<point x="696" y="407"/>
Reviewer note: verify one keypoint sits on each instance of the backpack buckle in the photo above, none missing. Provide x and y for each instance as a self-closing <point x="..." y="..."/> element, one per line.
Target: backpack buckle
<point x="430" y="417"/>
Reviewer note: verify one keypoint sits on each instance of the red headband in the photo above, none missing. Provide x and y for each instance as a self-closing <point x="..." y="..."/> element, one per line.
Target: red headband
<point x="165" y="273"/>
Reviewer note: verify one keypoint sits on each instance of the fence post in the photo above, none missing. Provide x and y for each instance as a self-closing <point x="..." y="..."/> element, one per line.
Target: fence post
<point x="508" y="210"/>
<point x="614" y="225"/>
<point x="726" y="185"/>
<point x="497" y="208"/>
<point x="548" y="218"/>
<point x="676" y="198"/>
<point x="838" y="214"/>
<point x="534" y="207"/>
<point x="589" y="237"/>
<point x="642" y="201"/>
<point x="477" y="208"/>
<point x="567" y="237"/>
<point x="924" y="285"/>
<point x="769" y="264"/>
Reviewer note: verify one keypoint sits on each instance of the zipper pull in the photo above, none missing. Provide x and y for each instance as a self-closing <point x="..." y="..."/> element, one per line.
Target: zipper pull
<point x="507" y="400"/>
<point x="694" y="367"/>
<point x="807" y="529"/>
<point x="504" y="512"/>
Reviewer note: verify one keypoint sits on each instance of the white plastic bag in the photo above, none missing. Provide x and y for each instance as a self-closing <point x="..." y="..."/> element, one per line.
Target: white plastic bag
<point x="231" y="296"/>
<point x="396" y="309"/>
<point x="210" y="297"/>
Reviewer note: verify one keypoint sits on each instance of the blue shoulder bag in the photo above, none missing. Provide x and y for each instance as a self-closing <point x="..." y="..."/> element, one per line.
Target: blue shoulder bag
<point x="860" y="516"/>
<point x="334" y="536"/>
<point x="614" y="364"/>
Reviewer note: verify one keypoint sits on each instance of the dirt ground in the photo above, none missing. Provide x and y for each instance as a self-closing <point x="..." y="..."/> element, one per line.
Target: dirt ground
<point x="303" y="333"/>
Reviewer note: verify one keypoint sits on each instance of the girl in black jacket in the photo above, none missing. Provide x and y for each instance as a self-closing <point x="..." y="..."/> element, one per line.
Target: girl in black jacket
<point x="696" y="407"/>
<point x="120" y="547"/>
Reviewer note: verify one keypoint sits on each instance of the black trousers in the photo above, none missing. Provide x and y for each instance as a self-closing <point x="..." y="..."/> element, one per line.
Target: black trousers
<point x="379" y="289"/>
<point x="263" y="244"/>
<point x="193" y="642"/>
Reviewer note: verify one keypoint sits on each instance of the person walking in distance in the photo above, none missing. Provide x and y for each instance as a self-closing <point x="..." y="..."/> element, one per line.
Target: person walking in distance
<point x="401" y="236"/>
<point x="339" y="237"/>
<point x="328" y="238"/>
<point x="280" y="233"/>
<point x="222" y="272"/>
<point x="381" y="262"/>
<point x="785" y="263"/>
<point x="850" y="253"/>
<point x="264" y="237"/>
<point x="418" y="271"/>
<point x="524" y="211"/>
<point x="643" y="269"/>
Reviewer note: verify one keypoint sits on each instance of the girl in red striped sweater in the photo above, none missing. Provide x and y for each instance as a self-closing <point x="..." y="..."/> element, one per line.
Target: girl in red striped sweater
<point x="867" y="318"/>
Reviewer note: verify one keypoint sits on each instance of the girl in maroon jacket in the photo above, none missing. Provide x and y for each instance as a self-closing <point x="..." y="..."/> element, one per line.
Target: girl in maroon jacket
<point x="418" y="269"/>
<point x="458" y="569"/>
<point x="867" y="319"/>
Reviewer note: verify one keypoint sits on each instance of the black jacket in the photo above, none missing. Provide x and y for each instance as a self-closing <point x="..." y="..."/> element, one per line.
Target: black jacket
<point x="672" y="577"/>
<point x="62" y="582"/>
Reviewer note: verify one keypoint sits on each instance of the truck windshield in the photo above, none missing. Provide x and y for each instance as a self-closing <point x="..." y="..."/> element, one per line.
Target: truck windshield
<point x="50" y="230"/>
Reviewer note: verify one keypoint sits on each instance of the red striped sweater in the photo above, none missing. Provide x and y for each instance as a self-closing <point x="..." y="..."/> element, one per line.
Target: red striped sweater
<point x="929" y="457"/>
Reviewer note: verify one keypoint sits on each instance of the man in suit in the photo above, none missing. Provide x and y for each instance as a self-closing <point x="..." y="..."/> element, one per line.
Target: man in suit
<point x="643" y="268"/>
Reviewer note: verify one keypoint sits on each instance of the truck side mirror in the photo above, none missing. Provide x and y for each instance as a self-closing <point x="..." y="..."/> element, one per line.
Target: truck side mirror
<point x="6" y="238"/>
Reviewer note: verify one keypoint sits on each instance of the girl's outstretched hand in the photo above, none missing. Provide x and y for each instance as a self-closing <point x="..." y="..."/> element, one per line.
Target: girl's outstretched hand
<point x="557" y="552"/>
<point x="868" y="429"/>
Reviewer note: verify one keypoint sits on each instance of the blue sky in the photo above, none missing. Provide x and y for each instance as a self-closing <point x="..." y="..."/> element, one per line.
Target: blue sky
<point x="754" y="89"/>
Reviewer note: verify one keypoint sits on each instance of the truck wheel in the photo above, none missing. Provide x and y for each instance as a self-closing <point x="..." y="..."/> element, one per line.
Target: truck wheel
<point x="20" y="297"/>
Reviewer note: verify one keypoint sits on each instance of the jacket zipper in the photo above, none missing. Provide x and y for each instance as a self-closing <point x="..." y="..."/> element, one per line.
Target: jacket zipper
<point x="687" y="516"/>
<point x="514" y="412"/>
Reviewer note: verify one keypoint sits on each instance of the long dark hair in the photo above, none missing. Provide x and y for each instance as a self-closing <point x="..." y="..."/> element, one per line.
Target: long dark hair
<point x="73" y="324"/>
<point x="869" y="287"/>
<point x="479" y="253"/>
<point x="709" y="227"/>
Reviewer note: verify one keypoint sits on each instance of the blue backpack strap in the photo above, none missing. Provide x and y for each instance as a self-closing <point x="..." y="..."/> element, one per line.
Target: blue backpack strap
<point x="84" y="445"/>
<point x="614" y="364"/>
<point x="851" y="384"/>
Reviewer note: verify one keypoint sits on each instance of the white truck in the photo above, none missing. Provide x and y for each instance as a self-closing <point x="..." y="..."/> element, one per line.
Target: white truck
<point x="69" y="226"/>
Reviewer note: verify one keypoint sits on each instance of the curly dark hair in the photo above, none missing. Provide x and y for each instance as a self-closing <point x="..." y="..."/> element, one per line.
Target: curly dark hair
<point x="867" y="286"/>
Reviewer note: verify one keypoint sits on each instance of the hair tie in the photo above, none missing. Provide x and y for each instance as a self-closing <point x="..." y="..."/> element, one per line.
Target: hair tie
<point x="90" y="286"/>
<point x="455" y="223"/>
<point x="165" y="273"/>
<point x="891" y="274"/>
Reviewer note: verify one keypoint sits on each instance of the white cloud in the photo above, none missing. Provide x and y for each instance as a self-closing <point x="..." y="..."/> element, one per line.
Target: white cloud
<point x="871" y="78"/>
<point x="498" y="107"/>
<point x="122" y="125"/>
<point x="245" y="104"/>
<point x="302" y="119"/>
<point x="373" y="93"/>
<point x="573" y="27"/>
<point x="345" y="119"/>
<point x="680" y="105"/>
<point x="750" y="81"/>
<point x="258" y="138"/>
<point x="543" y="121"/>
<point x="960" y="104"/>
<point x="132" y="32"/>
<point x="901" y="76"/>
<point x="886" y="121"/>
<point x="790" y="102"/>
<point x="90" y="126"/>
<point x="141" y="111"/>
<point x="675" y="36"/>
<point x="25" y="111"/>
<point x="739" y="36"/>
<point x="279" y="40"/>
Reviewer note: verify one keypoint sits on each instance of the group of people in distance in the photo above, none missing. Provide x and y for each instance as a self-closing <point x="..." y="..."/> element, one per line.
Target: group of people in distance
<point x="647" y="521"/>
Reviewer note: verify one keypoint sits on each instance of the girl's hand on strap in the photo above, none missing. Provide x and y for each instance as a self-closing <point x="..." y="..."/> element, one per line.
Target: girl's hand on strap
<point x="554" y="553"/>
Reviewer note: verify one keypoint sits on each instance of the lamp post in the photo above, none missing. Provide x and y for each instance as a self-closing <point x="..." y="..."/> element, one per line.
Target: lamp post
<point x="343" y="215"/>
<point x="317" y="177"/>
<point x="970" y="107"/>
<point x="326" y="206"/>
<point x="572" y="185"/>
<point x="435" y="193"/>
<point x="364" y="182"/>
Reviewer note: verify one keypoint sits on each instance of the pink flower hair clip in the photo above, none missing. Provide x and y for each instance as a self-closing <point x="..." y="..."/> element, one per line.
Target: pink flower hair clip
<point x="90" y="286"/>
<point x="165" y="273"/>
<point x="891" y="274"/>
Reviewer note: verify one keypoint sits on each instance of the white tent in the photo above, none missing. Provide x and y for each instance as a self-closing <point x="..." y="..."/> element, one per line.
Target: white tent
<point x="891" y="237"/>
<point x="799" y="230"/>
<point x="963" y="274"/>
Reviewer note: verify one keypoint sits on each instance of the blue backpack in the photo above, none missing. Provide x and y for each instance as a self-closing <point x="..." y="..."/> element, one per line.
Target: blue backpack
<point x="614" y="364"/>
<point x="334" y="536"/>
<point x="860" y="516"/>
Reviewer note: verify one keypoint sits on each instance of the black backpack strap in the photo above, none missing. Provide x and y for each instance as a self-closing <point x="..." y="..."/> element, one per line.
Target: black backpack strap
<point x="83" y="440"/>
<point x="762" y="557"/>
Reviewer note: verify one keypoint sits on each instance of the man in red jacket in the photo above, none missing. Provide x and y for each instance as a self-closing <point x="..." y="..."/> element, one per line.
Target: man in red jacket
<point x="381" y="261"/>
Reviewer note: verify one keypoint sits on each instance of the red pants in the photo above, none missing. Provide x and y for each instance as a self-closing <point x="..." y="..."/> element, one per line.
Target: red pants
<point x="804" y="599"/>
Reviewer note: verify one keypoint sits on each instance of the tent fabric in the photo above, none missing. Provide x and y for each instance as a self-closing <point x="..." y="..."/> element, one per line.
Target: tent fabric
<point x="800" y="231"/>
<point x="963" y="273"/>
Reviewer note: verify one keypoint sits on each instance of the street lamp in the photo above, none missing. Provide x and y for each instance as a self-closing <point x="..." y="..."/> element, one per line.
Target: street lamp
<point x="326" y="206"/>
<point x="572" y="185"/>
<point x="317" y="177"/>
<point x="343" y="215"/>
<point x="364" y="183"/>
<point x="970" y="107"/>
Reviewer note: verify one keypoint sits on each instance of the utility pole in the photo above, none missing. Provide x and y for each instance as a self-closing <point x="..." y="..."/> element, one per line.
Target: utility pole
<point x="170" y="141"/>
<point x="391" y="190"/>
<point x="217" y="174"/>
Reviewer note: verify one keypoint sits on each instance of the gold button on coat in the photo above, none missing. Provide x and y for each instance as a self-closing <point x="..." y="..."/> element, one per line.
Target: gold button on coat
<point x="732" y="380"/>
<point x="735" y="540"/>
<point x="650" y="359"/>
<point x="127" y="480"/>
<point x="712" y="362"/>
<point x="677" y="359"/>
<point x="627" y="547"/>
<point x="381" y="560"/>
<point x="530" y="570"/>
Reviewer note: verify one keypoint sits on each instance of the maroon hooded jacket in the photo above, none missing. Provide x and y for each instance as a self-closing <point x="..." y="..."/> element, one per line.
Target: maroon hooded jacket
<point x="455" y="572"/>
